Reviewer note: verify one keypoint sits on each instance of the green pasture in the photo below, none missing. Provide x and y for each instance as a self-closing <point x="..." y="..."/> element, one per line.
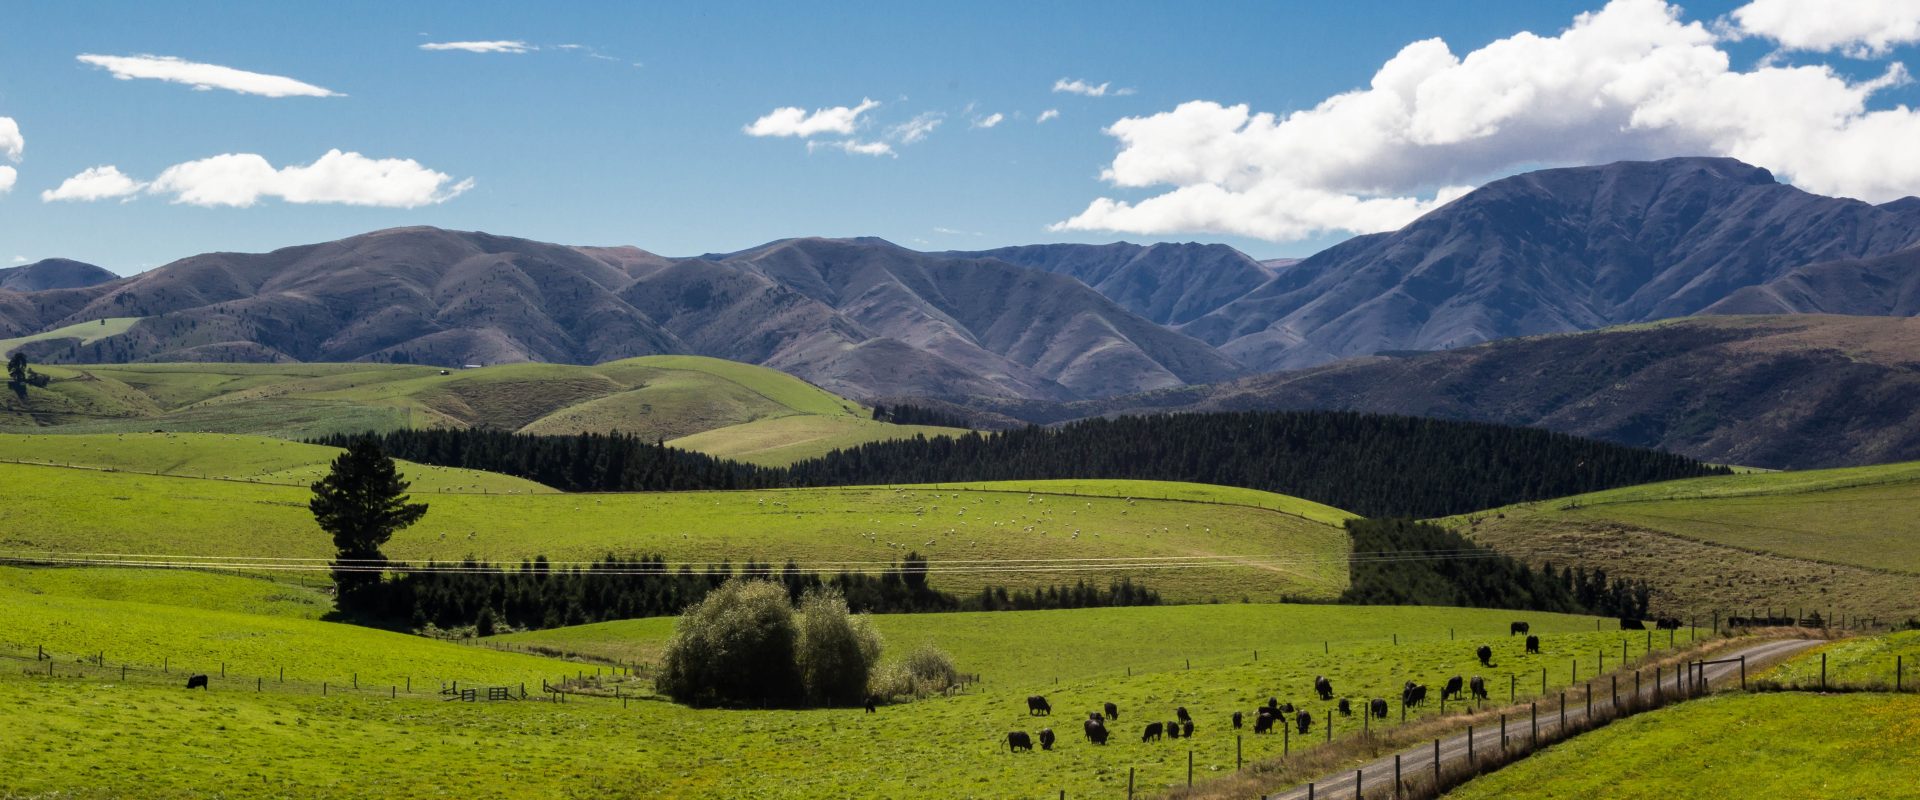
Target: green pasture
<point x="87" y="332"/>
<point x="227" y="457"/>
<point x="779" y="441"/>
<point x="1186" y="551"/>
<point x="1865" y="662"/>
<point x="1787" y="745"/>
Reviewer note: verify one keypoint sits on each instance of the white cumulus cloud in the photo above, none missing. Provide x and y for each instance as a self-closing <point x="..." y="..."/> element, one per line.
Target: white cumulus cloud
<point x="243" y="179"/>
<point x="795" y="121"/>
<point x="854" y="147"/>
<point x="1860" y="28"/>
<point x="1088" y="89"/>
<point x="204" y="76"/>
<point x="7" y="178"/>
<point x="95" y="183"/>
<point x="12" y="144"/>
<point x="989" y="120"/>
<point x="1632" y="80"/>
<point x="495" y="46"/>
<point x="1049" y="114"/>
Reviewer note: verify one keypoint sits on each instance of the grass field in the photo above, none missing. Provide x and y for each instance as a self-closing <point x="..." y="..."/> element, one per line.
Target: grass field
<point x="102" y="737"/>
<point x="1834" y="540"/>
<point x="1867" y="662"/>
<point x="1271" y="555"/>
<point x="1764" y="745"/>
<point x="227" y="457"/>
<point x="741" y="410"/>
<point x="87" y="332"/>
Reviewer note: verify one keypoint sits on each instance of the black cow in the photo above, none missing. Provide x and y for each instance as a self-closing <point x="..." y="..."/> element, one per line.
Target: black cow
<point x="1095" y="716"/>
<point x="1046" y="738"/>
<point x="1038" y="705"/>
<point x="1096" y="731"/>
<point x="1478" y="686"/>
<point x="1379" y="708"/>
<point x="197" y="682"/>
<point x="1181" y="712"/>
<point x="1264" y="722"/>
<point x="1667" y="624"/>
<point x="1486" y="655"/>
<point x="1186" y="729"/>
<point x="1518" y="628"/>
<point x="1303" y="722"/>
<point x="1324" y="687"/>
<point x="1173" y="729"/>
<point x="1113" y="712"/>
<point x="1453" y="688"/>
<point x="1273" y="702"/>
<point x="1414" y="694"/>
<point x="1346" y="709"/>
<point x="1533" y="645"/>
<point x="1628" y="624"/>
<point x="1017" y="741"/>
<point x="1237" y="719"/>
<point x="1285" y="708"/>
<point x="870" y="704"/>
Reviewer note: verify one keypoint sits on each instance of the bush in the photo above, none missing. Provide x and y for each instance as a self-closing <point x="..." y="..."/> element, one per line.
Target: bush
<point x="927" y="670"/>
<point x="736" y="647"/>
<point x="838" y="650"/>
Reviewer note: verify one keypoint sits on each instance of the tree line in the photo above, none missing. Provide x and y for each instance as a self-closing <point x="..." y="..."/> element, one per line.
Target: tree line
<point x="1404" y="562"/>
<point x="1371" y="464"/>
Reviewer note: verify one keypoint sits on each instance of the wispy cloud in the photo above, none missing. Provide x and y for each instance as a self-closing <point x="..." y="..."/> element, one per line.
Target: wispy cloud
<point x="96" y="183"/>
<point x="1049" y="114"/>
<point x="916" y="129"/>
<point x="1080" y="87"/>
<point x="955" y="232"/>
<point x="19" y="259"/>
<point x="491" y="46"/>
<point x="795" y="121"/>
<point x="854" y="147"/>
<point x="989" y="120"/>
<point x="204" y="77"/>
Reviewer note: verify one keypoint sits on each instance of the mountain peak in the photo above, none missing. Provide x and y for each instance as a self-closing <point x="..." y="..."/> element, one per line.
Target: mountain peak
<point x="53" y="273"/>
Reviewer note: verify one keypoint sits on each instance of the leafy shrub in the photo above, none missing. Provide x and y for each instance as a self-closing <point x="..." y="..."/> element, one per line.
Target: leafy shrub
<point x="736" y="647"/>
<point x="928" y="670"/>
<point x="837" y="649"/>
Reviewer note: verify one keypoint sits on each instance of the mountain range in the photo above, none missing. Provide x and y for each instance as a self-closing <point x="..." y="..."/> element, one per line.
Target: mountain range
<point x="1547" y="252"/>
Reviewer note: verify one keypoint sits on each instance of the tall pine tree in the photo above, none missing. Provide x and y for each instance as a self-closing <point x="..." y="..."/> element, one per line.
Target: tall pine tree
<point x="362" y="502"/>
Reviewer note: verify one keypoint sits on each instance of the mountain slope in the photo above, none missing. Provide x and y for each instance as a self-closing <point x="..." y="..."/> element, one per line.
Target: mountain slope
<point x="1169" y="283"/>
<point x="1552" y="251"/>
<point x="1779" y="392"/>
<point x="53" y="273"/>
<point x="1885" y="286"/>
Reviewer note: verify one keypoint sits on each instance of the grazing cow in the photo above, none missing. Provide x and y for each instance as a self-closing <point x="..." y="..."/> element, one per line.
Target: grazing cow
<point x="1152" y="733"/>
<point x="1379" y="708"/>
<point x="1096" y="731"/>
<point x="1273" y="703"/>
<point x="197" y="682"/>
<point x="1533" y="645"/>
<point x="1095" y="716"/>
<point x="1263" y="723"/>
<point x="1181" y="712"/>
<point x="1486" y="655"/>
<point x="1478" y="686"/>
<point x="1453" y="688"/>
<point x="1236" y="720"/>
<point x="1173" y="729"/>
<point x="1346" y="709"/>
<point x="1628" y="624"/>
<point x="1113" y="712"/>
<point x="1324" y="687"/>
<point x="1667" y="624"/>
<point x="1186" y="729"/>
<point x="1038" y="705"/>
<point x="1414" y="694"/>
<point x="870" y="704"/>
<point x="1303" y="722"/>
<point x="1017" y="741"/>
<point x="1285" y="708"/>
<point x="1518" y="628"/>
<point x="1046" y="738"/>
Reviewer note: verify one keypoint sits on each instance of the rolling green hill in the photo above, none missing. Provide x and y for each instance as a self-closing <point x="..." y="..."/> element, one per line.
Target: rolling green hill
<point x="1837" y="541"/>
<point x="740" y="410"/>
<point x="1762" y="745"/>
<point x="236" y="458"/>
<point x="86" y="332"/>
<point x="1188" y="551"/>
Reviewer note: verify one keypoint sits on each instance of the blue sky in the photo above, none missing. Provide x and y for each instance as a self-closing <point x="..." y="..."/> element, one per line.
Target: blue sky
<point x="637" y="136"/>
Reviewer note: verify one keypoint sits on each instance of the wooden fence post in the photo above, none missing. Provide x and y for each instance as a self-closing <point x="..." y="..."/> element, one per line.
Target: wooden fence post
<point x="1899" y="671"/>
<point x="1129" y="783"/>
<point x="1396" y="776"/>
<point x="1436" y="763"/>
<point x="1470" y="759"/>
<point x="1534" y="707"/>
<point x="1189" y="768"/>
<point x="1743" y="673"/>
<point x="1358" y="781"/>
<point x="1823" y="672"/>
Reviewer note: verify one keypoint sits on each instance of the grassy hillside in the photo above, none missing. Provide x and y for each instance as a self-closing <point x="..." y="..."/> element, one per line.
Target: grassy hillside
<point x="239" y="458"/>
<point x="744" y="411"/>
<point x="1842" y="540"/>
<point x="87" y="332"/>
<point x="1766" y="745"/>
<point x="1867" y="662"/>
<point x="290" y="743"/>
<point x="988" y="537"/>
